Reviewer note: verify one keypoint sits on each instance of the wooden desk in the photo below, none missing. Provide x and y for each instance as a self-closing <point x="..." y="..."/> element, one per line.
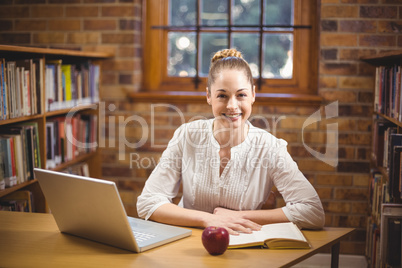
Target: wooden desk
<point x="33" y="240"/>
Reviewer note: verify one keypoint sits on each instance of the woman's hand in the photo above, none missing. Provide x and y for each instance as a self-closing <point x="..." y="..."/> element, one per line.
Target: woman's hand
<point x="232" y="220"/>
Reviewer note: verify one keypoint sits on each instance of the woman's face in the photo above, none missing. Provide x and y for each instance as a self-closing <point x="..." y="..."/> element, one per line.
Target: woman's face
<point x="231" y="98"/>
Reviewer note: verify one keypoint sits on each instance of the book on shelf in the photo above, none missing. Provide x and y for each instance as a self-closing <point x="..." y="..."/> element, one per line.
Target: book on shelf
<point x="391" y="236"/>
<point x="81" y="169"/>
<point x="20" y="85"/>
<point x="273" y="236"/>
<point x="70" y="137"/>
<point x="68" y="85"/>
<point x="18" y="201"/>
<point x="20" y="152"/>
<point x="387" y="92"/>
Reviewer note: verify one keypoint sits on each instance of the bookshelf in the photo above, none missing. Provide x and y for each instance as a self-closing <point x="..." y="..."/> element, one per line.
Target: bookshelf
<point x="384" y="223"/>
<point x="48" y="99"/>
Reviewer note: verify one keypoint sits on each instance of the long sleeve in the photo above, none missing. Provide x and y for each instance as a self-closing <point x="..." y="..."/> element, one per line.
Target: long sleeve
<point x="164" y="182"/>
<point x="303" y="205"/>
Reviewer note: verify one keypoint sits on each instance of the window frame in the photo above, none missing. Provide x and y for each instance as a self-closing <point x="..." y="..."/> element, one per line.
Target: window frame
<point x="304" y="81"/>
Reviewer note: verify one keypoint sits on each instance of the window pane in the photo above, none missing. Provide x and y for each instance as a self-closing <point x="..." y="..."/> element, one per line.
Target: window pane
<point x="246" y="12"/>
<point x="182" y="54"/>
<point x="248" y="44"/>
<point x="278" y="60"/>
<point x="210" y="43"/>
<point x="182" y="12"/>
<point x="214" y="12"/>
<point x="278" y="12"/>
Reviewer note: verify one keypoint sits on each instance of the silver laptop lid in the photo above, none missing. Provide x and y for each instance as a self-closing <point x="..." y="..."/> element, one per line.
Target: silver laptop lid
<point x="86" y="207"/>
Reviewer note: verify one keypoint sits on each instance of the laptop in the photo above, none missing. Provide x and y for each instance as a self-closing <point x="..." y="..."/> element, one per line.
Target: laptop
<point x="92" y="209"/>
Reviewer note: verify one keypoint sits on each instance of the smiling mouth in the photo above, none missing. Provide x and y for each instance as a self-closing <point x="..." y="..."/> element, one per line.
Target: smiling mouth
<point x="232" y="115"/>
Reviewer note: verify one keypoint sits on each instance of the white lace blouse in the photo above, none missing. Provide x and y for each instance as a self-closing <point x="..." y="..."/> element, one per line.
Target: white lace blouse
<point x="255" y="166"/>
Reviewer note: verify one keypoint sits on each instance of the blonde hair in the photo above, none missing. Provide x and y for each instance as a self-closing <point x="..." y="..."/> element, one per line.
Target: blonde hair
<point x="228" y="59"/>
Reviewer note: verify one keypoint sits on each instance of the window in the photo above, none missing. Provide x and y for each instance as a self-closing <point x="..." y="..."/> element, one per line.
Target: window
<point x="277" y="37"/>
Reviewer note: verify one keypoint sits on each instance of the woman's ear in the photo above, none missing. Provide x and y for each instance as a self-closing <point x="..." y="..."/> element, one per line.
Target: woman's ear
<point x="208" y="96"/>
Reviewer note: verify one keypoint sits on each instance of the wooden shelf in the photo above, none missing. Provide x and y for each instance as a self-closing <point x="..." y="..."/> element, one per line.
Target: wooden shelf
<point x="14" y="53"/>
<point x="390" y="119"/>
<point x="50" y="51"/>
<point x="16" y="187"/>
<point x="386" y="58"/>
<point x="76" y="160"/>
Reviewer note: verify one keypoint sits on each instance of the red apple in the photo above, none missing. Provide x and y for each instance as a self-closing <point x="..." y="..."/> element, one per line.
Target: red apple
<point x="215" y="240"/>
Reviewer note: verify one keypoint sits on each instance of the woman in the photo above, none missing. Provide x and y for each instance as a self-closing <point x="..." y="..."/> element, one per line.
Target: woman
<point x="227" y="166"/>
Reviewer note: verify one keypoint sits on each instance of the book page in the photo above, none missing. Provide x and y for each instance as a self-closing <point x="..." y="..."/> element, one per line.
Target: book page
<point x="281" y="231"/>
<point x="286" y="230"/>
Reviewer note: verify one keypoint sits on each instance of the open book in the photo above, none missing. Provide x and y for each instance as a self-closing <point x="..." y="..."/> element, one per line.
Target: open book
<point x="277" y="235"/>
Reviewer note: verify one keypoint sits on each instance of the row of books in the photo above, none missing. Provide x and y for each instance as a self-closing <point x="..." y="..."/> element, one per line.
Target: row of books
<point x="32" y="86"/>
<point x="387" y="153"/>
<point x="388" y="91"/>
<point x="19" y="153"/>
<point x="67" y="138"/>
<point x="384" y="223"/>
<point x="20" y="88"/>
<point x="22" y="201"/>
<point x="81" y="169"/>
<point x="68" y="85"/>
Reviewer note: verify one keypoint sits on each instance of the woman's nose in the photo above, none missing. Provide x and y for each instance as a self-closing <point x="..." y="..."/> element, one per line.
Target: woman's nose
<point x="232" y="103"/>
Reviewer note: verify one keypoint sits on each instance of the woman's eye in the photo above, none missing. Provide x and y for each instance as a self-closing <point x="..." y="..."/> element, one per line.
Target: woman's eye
<point x="242" y="95"/>
<point x="221" y="96"/>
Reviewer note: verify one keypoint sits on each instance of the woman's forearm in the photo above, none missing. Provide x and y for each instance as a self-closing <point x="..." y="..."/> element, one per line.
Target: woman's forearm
<point x="175" y="215"/>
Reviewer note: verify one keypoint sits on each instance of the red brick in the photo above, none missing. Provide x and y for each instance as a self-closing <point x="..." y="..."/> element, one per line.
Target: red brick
<point x="329" y="54"/>
<point x="118" y="11"/>
<point x="46" y="11"/>
<point x="339" y="95"/>
<point x="118" y="38"/>
<point x="49" y="38"/>
<point x="346" y="153"/>
<point x="30" y="25"/>
<point x="355" y="110"/>
<point x="351" y="194"/>
<point x="334" y="179"/>
<point x="6" y="25"/>
<point x="83" y="38"/>
<point x="357" y="26"/>
<point x="82" y="11"/>
<point x="100" y="24"/>
<point x="29" y="2"/>
<point x="377" y="40"/>
<point x="385" y="12"/>
<point x="64" y="1"/>
<point x="360" y="1"/>
<point x="64" y="25"/>
<point x="338" y="68"/>
<point x="355" y="54"/>
<point x="100" y="1"/>
<point x="339" y="11"/>
<point x="390" y="27"/>
<point x="354" y="167"/>
<point x="329" y="25"/>
<point x="14" y="12"/>
<point x="130" y="25"/>
<point x="337" y="39"/>
<point x="336" y="207"/>
<point x="15" y="38"/>
<point x="355" y="82"/>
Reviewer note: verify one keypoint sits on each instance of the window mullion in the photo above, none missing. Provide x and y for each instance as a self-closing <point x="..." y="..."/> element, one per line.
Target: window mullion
<point x="260" y="52"/>
<point x="197" y="40"/>
<point x="230" y="4"/>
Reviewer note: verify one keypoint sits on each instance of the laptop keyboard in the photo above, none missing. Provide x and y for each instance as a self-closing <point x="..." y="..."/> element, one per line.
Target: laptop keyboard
<point x="141" y="237"/>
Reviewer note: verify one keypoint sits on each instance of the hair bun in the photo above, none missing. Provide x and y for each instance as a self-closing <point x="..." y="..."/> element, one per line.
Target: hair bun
<point x="224" y="53"/>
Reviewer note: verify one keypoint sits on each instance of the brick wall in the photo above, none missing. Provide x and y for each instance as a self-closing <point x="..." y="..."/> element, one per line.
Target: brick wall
<point x="349" y="29"/>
